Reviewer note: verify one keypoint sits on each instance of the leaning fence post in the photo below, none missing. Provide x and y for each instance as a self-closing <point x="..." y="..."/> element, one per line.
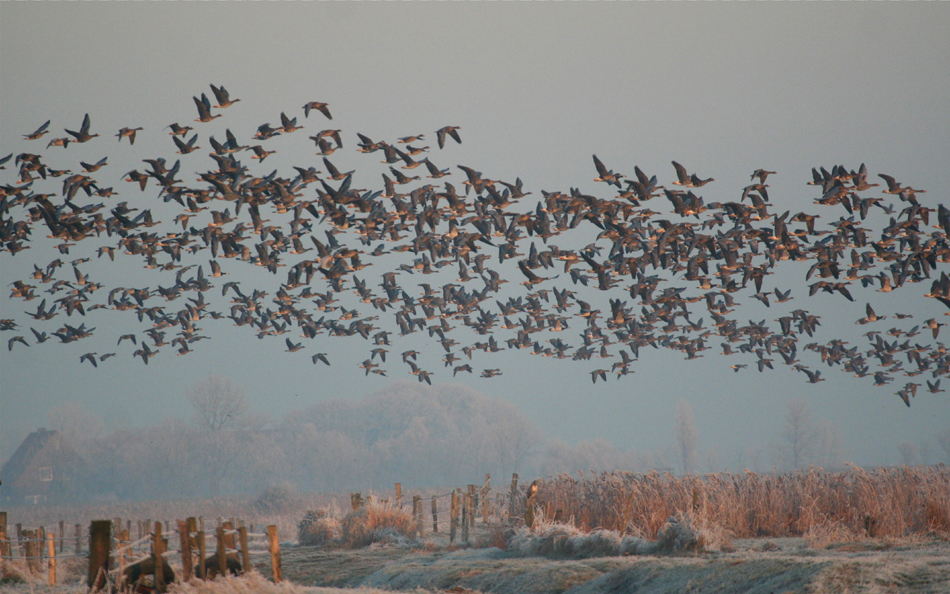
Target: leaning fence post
<point x="187" y="562"/>
<point x="398" y="495"/>
<point x="99" y="542"/>
<point x="274" y="545"/>
<point x="245" y="553"/>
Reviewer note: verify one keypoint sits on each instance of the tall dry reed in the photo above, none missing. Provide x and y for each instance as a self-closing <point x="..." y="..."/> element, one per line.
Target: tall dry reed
<point x="897" y="501"/>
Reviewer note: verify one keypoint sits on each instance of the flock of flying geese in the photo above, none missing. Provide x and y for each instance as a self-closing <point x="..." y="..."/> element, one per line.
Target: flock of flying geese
<point x="649" y="270"/>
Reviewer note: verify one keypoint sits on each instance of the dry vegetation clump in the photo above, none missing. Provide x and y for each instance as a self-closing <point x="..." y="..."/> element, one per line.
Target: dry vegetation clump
<point x="318" y="528"/>
<point x="277" y="499"/>
<point x="824" y="534"/>
<point x="565" y="541"/>
<point x="686" y="532"/>
<point x="897" y="501"/>
<point x="377" y="522"/>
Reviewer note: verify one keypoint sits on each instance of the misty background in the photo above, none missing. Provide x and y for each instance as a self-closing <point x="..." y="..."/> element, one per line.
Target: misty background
<point x="537" y="88"/>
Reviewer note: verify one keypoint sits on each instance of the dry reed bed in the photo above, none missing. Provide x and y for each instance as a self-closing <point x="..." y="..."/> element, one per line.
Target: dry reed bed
<point x="896" y="501"/>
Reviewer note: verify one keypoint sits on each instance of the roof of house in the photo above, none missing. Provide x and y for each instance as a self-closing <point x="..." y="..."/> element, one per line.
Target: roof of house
<point x="34" y="445"/>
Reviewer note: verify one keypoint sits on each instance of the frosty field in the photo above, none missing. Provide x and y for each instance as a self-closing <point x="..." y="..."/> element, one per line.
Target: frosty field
<point x="763" y="565"/>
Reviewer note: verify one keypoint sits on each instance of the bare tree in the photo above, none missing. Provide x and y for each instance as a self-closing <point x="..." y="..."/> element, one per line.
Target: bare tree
<point x="686" y="437"/>
<point x="225" y="424"/>
<point x="943" y="440"/>
<point x="219" y="405"/>
<point x="797" y="437"/>
<point x="909" y="453"/>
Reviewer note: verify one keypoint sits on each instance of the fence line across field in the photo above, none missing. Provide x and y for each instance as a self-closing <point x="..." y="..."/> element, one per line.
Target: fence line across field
<point x="111" y="551"/>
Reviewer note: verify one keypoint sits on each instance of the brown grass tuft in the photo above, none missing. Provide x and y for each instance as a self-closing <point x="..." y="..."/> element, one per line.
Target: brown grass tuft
<point x="377" y="522"/>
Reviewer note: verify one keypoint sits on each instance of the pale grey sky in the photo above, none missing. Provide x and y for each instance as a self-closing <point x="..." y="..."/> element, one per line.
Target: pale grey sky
<point x="724" y="88"/>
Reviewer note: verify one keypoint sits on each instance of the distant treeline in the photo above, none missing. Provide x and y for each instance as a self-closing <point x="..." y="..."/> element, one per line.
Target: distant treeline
<point x="409" y="433"/>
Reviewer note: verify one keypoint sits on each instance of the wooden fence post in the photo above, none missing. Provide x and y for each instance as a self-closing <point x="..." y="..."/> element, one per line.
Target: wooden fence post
<point x="513" y="496"/>
<point x="453" y="516"/>
<point x="202" y="552"/>
<point x="486" y="498"/>
<point x="62" y="536"/>
<point x="158" y="548"/>
<point x="222" y="553"/>
<point x="417" y="514"/>
<point x="99" y="542"/>
<point x="187" y="561"/>
<point x="473" y="504"/>
<point x="31" y="551"/>
<point x="398" y="495"/>
<point x="245" y="553"/>
<point x="51" y="550"/>
<point x="466" y="505"/>
<point x="4" y="543"/>
<point x="435" y="515"/>
<point x="274" y="545"/>
<point x="122" y="546"/>
<point x="78" y="539"/>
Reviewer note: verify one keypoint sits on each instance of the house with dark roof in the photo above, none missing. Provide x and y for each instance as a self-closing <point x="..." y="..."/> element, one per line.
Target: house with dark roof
<point x="45" y="468"/>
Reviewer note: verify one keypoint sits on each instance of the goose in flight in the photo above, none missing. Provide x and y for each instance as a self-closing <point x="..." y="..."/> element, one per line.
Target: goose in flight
<point x="448" y="131"/>
<point x="204" y="109"/>
<point x="83" y="135"/>
<point x="323" y="108"/>
<point x="683" y="178"/>
<point x="606" y="175"/>
<point x="38" y="132"/>
<point x="127" y="133"/>
<point x="221" y="94"/>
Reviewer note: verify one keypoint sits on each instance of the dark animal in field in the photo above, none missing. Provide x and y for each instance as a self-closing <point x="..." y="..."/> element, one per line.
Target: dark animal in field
<point x="212" y="568"/>
<point x="140" y="577"/>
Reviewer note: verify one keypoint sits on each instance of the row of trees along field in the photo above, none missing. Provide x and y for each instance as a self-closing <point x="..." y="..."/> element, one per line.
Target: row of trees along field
<point x="408" y="433"/>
